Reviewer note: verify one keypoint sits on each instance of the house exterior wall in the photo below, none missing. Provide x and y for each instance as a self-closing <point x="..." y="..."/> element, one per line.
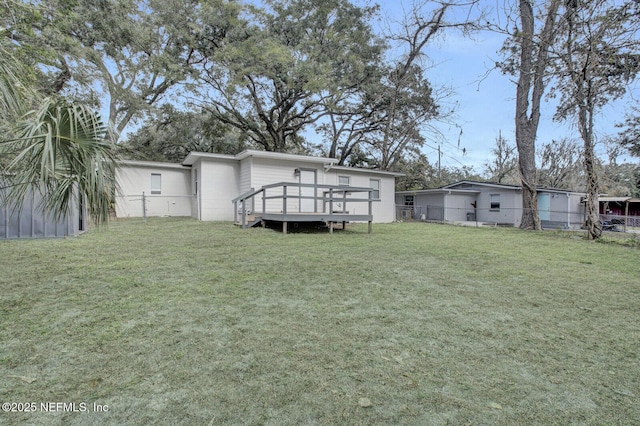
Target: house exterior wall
<point x="453" y="203"/>
<point x="207" y="184"/>
<point x="458" y="205"/>
<point x="383" y="210"/>
<point x="510" y="210"/>
<point x="577" y="210"/>
<point x="266" y="171"/>
<point x="31" y="222"/>
<point x="245" y="175"/>
<point x="220" y="183"/>
<point x="431" y="205"/>
<point x="173" y="199"/>
<point x="564" y="208"/>
<point x="440" y="204"/>
<point x="196" y="189"/>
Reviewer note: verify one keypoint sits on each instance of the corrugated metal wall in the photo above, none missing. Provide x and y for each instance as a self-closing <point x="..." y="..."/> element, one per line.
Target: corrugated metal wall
<point x="30" y="222"/>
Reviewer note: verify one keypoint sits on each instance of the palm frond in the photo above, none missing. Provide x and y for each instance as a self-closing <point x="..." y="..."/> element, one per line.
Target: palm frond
<point x="14" y="96"/>
<point x="62" y="151"/>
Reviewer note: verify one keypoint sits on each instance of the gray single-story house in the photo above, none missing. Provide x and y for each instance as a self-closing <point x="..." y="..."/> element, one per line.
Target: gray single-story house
<point x="212" y="187"/>
<point x="32" y="222"/>
<point x="490" y="203"/>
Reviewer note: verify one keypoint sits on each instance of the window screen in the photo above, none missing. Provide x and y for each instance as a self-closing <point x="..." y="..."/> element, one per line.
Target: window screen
<point x="156" y="183"/>
<point x="375" y="184"/>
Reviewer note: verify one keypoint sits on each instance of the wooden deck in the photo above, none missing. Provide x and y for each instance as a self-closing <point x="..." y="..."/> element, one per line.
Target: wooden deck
<point x="326" y="198"/>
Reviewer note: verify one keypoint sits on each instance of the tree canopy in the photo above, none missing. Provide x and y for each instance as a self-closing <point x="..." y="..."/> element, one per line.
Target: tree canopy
<point x="52" y="145"/>
<point x="174" y="76"/>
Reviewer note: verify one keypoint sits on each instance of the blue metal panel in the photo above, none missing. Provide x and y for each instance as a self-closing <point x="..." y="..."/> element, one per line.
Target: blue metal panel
<point x="31" y="222"/>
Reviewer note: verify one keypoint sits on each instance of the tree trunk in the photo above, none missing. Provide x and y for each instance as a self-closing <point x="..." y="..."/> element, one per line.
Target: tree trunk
<point x="594" y="227"/>
<point x="529" y="91"/>
<point x="585" y="122"/>
<point x="525" y="139"/>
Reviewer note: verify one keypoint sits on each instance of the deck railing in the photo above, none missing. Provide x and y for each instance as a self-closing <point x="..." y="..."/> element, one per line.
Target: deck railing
<point x="287" y="198"/>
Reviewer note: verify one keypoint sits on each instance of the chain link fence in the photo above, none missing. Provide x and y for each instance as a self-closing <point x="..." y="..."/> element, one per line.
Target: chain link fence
<point x="145" y="205"/>
<point x="552" y="219"/>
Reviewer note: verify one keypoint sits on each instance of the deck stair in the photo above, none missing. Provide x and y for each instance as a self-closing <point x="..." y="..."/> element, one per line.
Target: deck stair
<point x="250" y="221"/>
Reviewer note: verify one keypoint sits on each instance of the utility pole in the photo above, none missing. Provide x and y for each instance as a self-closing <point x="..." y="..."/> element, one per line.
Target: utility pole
<point x="439" y="155"/>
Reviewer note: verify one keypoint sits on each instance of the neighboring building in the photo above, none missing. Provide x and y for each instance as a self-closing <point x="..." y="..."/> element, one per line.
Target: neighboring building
<point x="620" y="210"/>
<point x="494" y="204"/>
<point x="205" y="185"/>
<point x="31" y="222"/>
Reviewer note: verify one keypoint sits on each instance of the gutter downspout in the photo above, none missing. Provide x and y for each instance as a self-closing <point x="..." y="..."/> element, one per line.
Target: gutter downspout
<point x="445" y="208"/>
<point x="568" y="211"/>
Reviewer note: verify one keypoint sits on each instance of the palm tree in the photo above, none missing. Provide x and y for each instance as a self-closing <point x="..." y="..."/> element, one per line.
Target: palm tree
<point x="58" y="147"/>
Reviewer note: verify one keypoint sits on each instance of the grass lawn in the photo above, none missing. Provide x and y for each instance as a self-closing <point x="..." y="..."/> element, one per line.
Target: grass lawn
<point x="176" y="321"/>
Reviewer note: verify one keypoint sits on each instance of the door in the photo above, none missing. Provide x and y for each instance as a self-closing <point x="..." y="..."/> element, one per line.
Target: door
<point x="544" y="207"/>
<point x="307" y="205"/>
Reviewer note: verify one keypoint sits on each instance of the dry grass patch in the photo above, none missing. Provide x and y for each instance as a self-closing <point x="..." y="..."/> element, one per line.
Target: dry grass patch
<point x="183" y="322"/>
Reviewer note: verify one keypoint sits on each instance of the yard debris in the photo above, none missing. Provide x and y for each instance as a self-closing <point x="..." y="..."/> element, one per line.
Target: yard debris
<point x="25" y="379"/>
<point x="623" y="393"/>
<point x="365" y="402"/>
<point x="495" y="405"/>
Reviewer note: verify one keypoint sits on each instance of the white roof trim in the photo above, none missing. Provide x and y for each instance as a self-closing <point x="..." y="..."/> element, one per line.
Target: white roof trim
<point x="509" y="186"/>
<point x="157" y="164"/>
<point x="438" y="191"/>
<point x="559" y="191"/>
<point x="361" y="170"/>
<point x="283" y="156"/>
<point x="487" y="184"/>
<point x="615" y="199"/>
<point x="195" y="156"/>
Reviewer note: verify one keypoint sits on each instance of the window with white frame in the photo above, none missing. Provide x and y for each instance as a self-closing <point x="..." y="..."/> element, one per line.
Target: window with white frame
<point x="156" y="183"/>
<point x="344" y="181"/>
<point x="494" y="202"/>
<point x="375" y="184"/>
<point x="408" y="200"/>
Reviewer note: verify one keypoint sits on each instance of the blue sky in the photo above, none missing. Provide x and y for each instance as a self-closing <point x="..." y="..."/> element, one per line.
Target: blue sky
<point x="485" y="104"/>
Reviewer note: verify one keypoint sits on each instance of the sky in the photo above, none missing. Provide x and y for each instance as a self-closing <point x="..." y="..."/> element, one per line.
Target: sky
<point x="484" y="101"/>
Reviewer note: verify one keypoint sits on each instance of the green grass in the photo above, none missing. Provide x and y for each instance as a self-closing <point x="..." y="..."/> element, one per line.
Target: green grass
<point x="177" y="321"/>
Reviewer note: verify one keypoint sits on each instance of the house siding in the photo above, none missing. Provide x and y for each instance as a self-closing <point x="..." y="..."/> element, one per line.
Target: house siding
<point x="266" y="171"/>
<point x="383" y="210"/>
<point x="196" y="190"/>
<point x="510" y="206"/>
<point x="245" y="175"/>
<point x="175" y="197"/>
<point x="222" y="183"/>
<point x="222" y="179"/>
<point x="433" y="203"/>
<point x="452" y="203"/>
<point x="565" y="208"/>
<point x="458" y="205"/>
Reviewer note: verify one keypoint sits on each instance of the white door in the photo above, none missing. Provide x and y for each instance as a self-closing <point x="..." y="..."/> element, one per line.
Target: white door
<point x="544" y="207"/>
<point x="307" y="205"/>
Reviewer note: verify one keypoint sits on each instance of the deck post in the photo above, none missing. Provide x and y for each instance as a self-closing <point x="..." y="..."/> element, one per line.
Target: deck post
<point x="370" y="209"/>
<point x="264" y="200"/>
<point x="244" y="216"/>
<point x="331" y="227"/>
<point x="330" y="200"/>
<point x="284" y="227"/>
<point x="284" y="199"/>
